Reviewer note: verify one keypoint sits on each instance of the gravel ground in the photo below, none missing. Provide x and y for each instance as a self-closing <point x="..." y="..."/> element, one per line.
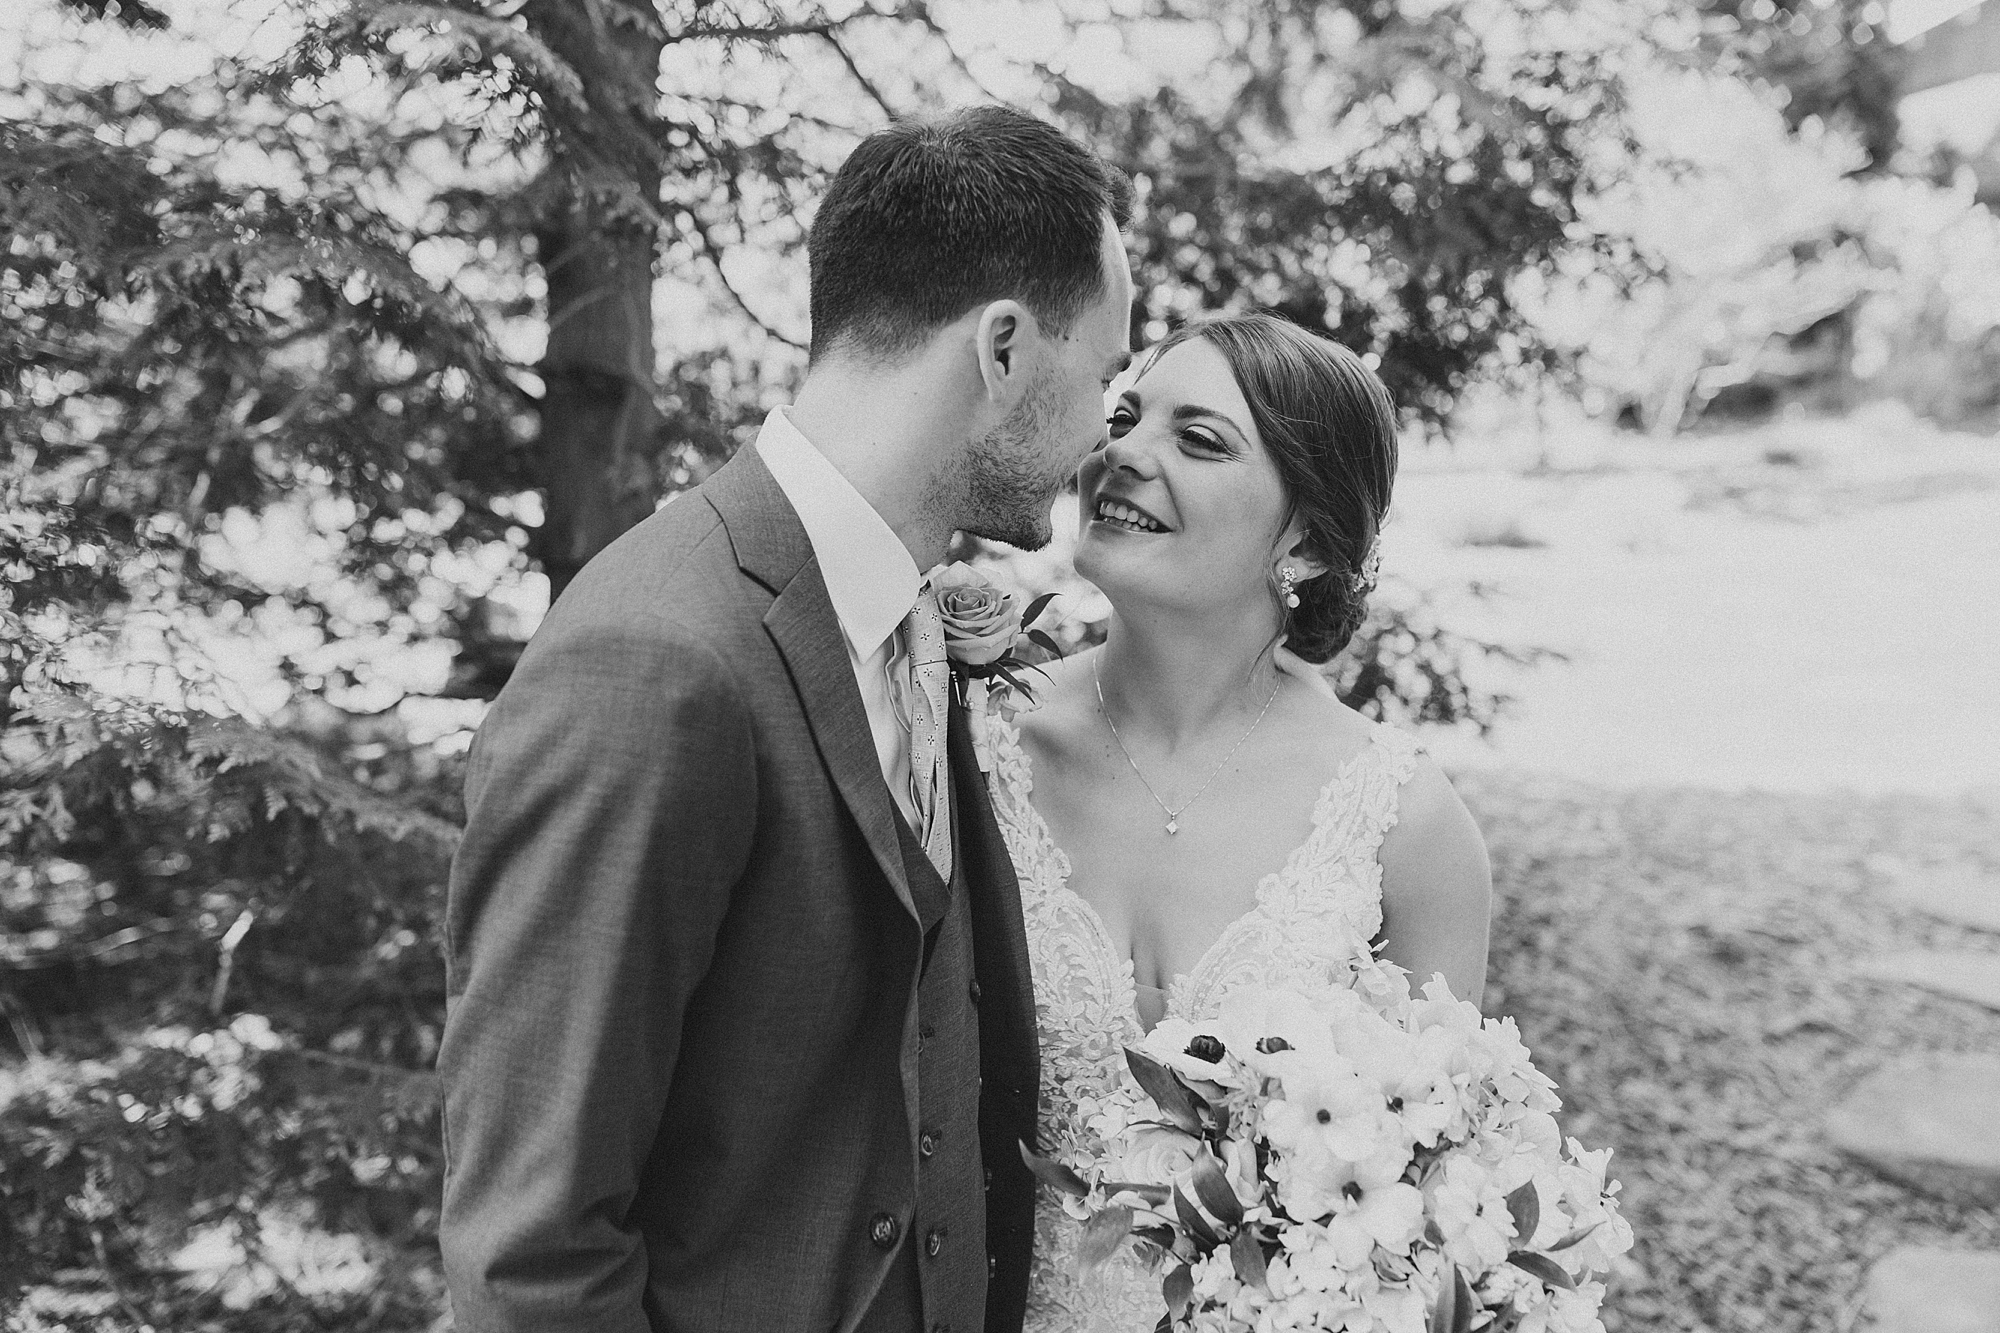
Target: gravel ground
<point x="1680" y="960"/>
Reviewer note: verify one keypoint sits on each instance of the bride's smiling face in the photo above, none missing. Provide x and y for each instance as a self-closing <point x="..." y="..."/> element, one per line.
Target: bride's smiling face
<point x="1182" y="506"/>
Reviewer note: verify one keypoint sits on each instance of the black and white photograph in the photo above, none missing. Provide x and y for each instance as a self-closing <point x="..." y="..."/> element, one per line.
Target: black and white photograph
<point x="1013" y="666"/>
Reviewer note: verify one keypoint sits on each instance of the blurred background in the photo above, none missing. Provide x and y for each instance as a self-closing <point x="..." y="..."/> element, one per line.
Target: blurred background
<point x="335" y="338"/>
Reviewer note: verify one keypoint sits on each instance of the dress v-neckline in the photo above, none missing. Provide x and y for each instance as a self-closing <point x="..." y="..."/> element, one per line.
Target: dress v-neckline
<point x="1181" y="982"/>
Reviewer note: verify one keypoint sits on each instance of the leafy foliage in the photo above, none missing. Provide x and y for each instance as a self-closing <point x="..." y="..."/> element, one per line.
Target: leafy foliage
<point x="1829" y="57"/>
<point x="159" y="876"/>
<point x="1380" y="173"/>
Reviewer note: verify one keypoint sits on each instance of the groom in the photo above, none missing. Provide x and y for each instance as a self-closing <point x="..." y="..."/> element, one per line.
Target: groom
<point x="733" y="939"/>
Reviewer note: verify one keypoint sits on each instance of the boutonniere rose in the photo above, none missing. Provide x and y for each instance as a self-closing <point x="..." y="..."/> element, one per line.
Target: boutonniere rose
<point x="980" y="623"/>
<point x="983" y="634"/>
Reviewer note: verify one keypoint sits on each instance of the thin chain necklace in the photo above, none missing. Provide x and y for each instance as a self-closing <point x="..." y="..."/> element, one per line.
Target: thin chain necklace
<point x="1173" y="815"/>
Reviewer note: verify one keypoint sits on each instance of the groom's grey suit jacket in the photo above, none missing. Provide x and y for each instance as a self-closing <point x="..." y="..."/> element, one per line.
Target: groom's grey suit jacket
<point x="716" y="1034"/>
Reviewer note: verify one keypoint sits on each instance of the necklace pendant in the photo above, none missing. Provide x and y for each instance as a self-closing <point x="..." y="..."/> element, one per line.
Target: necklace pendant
<point x="1173" y="826"/>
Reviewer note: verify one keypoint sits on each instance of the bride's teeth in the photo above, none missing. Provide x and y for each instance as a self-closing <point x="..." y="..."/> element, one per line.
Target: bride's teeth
<point x="1112" y="512"/>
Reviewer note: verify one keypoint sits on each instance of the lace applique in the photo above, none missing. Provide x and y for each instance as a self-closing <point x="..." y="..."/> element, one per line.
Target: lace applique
<point x="1085" y="1015"/>
<point x="1085" y="1000"/>
<point x="1329" y="890"/>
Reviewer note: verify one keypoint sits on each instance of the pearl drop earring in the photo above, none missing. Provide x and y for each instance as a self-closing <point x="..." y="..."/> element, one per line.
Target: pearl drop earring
<point x="1287" y="579"/>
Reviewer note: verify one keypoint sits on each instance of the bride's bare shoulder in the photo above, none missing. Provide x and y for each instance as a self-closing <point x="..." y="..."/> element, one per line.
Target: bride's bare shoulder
<point x="1315" y="724"/>
<point x="1065" y="704"/>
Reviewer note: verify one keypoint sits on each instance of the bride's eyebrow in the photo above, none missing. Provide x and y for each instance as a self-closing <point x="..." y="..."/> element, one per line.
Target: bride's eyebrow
<point x="1196" y="412"/>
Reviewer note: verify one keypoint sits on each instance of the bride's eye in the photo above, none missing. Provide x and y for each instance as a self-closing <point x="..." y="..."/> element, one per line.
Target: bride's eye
<point x="1202" y="439"/>
<point x="1121" y="420"/>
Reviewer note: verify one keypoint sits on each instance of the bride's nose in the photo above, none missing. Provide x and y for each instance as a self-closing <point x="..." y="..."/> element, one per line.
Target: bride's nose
<point x="1131" y="453"/>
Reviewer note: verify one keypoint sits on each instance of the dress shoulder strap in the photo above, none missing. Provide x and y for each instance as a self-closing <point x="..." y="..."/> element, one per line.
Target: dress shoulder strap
<point x="1358" y="807"/>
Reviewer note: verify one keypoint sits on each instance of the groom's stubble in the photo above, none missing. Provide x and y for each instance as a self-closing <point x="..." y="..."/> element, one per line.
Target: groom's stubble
<point x="1014" y="472"/>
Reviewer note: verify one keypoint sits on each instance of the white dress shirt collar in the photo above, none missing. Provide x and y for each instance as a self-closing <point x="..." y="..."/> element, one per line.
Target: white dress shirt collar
<point x="870" y="576"/>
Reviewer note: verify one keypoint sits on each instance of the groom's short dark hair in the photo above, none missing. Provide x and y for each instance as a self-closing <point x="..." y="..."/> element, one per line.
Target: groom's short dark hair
<point x="930" y="217"/>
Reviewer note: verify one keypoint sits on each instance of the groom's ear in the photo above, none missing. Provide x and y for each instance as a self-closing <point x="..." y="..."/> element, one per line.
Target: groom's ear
<point x="1000" y="342"/>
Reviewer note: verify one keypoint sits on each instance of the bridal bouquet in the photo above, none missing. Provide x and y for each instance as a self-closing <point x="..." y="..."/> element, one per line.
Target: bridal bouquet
<point x="1337" y="1164"/>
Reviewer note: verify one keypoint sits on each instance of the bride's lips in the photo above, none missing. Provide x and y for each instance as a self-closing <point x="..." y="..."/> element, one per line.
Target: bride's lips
<point x="1122" y="515"/>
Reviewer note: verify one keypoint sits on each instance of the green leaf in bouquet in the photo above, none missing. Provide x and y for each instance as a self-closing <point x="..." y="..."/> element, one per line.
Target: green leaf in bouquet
<point x="1191" y="1219"/>
<point x="1456" y="1305"/>
<point x="1212" y="1188"/>
<point x="1042" y="640"/>
<point x="1247" y="1253"/>
<point x="1574" y="1238"/>
<point x="1152" y="1194"/>
<point x="1432" y="1234"/>
<point x="1174" y="1098"/>
<point x="1178" y="1289"/>
<point x="1053" y="1173"/>
<point x="1102" y="1235"/>
<point x="1543" y="1267"/>
<point x="1526" y="1207"/>
<point x="1036" y="607"/>
<point x="1444" y="1314"/>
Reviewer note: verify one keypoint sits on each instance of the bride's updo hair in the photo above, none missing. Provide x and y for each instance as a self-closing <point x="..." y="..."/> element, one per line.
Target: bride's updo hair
<point x="1330" y="427"/>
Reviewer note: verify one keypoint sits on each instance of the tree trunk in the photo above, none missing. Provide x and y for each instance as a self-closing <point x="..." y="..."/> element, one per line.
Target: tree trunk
<point x="600" y="430"/>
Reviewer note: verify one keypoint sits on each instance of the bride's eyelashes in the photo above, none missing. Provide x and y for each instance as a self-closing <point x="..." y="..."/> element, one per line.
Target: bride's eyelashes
<point x="1203" y="440"/>
<point x="1123" y="419"/>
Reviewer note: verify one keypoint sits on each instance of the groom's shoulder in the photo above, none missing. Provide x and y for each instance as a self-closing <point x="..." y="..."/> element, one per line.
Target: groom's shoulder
<point x="673" y="575"/>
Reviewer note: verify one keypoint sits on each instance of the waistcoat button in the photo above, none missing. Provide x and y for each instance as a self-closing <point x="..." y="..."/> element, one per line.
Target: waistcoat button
<point x="928" y="1144"/>
<point x="934" y="1242"/>
<point x="975" y="992"/>
<point x="940" y="1328"/>
<point x="884" y="1230"/>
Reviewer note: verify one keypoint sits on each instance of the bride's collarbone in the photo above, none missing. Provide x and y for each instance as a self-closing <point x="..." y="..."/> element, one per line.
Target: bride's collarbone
<point x="1166" y="898"/>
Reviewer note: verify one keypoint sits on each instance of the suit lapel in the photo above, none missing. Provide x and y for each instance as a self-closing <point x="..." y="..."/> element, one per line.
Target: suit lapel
<point x="772" y="547"/>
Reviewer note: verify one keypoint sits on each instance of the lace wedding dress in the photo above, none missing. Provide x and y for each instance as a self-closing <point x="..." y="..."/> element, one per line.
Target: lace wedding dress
<point x="1086" y="1001"/>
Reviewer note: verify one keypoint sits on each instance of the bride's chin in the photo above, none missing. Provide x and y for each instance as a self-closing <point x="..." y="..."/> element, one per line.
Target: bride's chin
<point x="1111" y="572"/>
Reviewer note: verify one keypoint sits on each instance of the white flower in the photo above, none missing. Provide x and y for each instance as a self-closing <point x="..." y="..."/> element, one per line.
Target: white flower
<point x="1471" y="1212"/>
<point x="1591" y="1201"/>
<point x="1260" y="1026"/>
<point x="1150" y="1155"/>
<point x="1187" y="1048"/>
<point x="1331" y="1128"/>
<point x="1391" y="1216"/>
<point x="1395" y="1309"/>
<point x="1556" y="1311"/>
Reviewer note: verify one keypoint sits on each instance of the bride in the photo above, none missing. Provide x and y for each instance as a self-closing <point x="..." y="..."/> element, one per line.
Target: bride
<point x="1191" y="808"/>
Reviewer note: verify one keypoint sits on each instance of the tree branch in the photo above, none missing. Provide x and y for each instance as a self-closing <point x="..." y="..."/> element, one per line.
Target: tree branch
<point x="920" y="13"/>
<point x="713" y="252"/>
<point x="867" y="84"/>
<point x="824" y="27"/>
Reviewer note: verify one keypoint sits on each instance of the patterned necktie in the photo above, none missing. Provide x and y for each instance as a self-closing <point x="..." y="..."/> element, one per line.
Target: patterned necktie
<point x="930" y="678"/>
